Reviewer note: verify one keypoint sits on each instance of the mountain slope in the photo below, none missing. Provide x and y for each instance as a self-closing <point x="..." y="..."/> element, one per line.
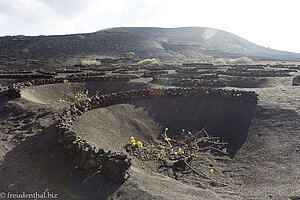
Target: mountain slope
<point x="77" y="44"/>
<point x="208" y="41"/>
<point x="167" y="44"/>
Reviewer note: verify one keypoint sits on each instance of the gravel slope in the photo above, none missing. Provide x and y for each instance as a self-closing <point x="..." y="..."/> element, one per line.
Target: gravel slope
<point x="265" y="167"/>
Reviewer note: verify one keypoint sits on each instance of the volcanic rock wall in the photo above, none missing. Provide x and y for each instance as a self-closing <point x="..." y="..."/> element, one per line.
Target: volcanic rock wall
<point x="256" y="73"/>
<point x="114" y="164"/>
<point x="187" y="82"/>
<point x="14" y="91"/>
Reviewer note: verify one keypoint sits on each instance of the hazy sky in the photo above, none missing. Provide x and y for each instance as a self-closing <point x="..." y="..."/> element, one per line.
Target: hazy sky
<point x="270" y="23"/>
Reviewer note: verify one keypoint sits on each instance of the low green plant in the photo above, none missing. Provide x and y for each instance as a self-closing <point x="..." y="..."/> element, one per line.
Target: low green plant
<point x="186" y="148"/>
<point x="79" y="96"/>
<point x="137" y="144"/>
<point x="242" y="60"/>
<point x="184" y="143"/>
<point x="148" y="61"/>
<point x="90" y="62"/>
<point x="220" y="61"/>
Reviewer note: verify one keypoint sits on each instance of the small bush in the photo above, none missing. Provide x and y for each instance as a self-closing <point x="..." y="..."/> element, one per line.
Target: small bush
<point x="180" y="151"/>
<point x="79" y="96"/>
<point x="220" y="61"/>
<point x="148" y="61"/>
<point x="242" y="60"/>
<point x="90" y="62"/>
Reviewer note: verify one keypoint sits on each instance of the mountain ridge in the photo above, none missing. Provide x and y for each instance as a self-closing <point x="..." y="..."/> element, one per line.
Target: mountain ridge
<point x="167" y="44"/>
<point x="222" y="40"/>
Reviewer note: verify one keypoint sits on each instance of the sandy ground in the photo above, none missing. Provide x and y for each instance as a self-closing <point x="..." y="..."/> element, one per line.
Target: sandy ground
<point x="50" y="94"/>
<point x="265" y="167"/>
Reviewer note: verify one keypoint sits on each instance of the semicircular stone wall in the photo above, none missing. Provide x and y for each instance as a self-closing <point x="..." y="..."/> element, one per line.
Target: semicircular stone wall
<point x="115" y="164"/>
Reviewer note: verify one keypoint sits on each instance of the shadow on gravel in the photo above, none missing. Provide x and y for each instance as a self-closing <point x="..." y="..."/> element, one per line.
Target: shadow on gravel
<point x="226" y="119"/>
<point x="245" y="82"/>
<point x="4" y="99"/>
<point x="39" y="164"/>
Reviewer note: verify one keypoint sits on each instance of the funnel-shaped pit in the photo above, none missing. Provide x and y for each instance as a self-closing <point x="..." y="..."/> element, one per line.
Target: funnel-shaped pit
<point x="145" y="119"/>
<point x="52" y="93"/>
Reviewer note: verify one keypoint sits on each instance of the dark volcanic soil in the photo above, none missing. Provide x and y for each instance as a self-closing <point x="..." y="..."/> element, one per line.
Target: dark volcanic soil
<point x="166" y="44"/>
<point x="264" y="166"/>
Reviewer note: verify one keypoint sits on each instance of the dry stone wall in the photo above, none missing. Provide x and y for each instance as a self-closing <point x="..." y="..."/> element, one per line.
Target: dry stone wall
<point x="24" y="76"/>
<point x="255" y="73"/>
<point x="188" y="82"/>
<point x="14" y="91"/>
<point x="115" y="164"/>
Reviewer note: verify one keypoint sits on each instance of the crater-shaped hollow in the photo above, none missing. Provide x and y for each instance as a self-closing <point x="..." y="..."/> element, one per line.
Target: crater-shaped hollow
<point x="111" y="127"/>
<point x="52" y="93"/>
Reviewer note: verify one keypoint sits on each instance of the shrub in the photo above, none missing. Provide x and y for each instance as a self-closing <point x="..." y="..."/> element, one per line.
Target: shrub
<point x="220" y="61"/>
<point x="242" y="60"/>
<point x="90" y="62"/>
<point x="179" y="151"/>
<point x="79" y="96"/>
<point x="148" y="61"/>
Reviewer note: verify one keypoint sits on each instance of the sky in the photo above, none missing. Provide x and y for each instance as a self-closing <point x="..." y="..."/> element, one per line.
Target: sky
<point x="269" y="23"/>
